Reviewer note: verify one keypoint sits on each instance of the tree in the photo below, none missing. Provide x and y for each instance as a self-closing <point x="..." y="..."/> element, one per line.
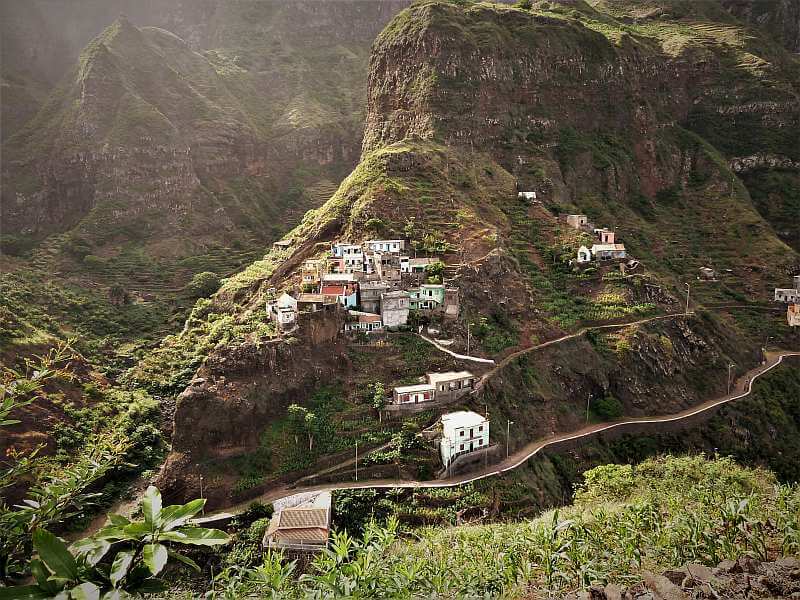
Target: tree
<point x="311" y="424"/>
<point x="435" y="272"/>
<point x="378" y="399"/>
<point x="297" y="421"/>
<point x="118" y="295"/>
<point x="203" y="284"/>
<point x="123" y="557"/>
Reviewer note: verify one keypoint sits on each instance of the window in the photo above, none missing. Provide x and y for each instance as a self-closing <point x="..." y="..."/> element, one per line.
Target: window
<point x="470" y="433"/>
<point x="480" y="428"/>
<point x="461" y="433"/>
<point x="480" y="442"/>
<point x="462" y="446"/>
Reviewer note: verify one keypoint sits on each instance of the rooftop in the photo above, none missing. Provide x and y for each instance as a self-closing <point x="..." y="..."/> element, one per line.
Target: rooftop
<point x="315" y="298"/>
<point x="462" y="418"/>
<point x="339" y="277"/>
<point x="605" y="247"/>
<point x="396" y="294"/>
<point x="435" y="378"/>
<point x="420" y="387"/>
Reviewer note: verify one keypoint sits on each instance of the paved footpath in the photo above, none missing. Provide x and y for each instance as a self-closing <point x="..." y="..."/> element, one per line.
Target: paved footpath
<point x="743" y="387"/>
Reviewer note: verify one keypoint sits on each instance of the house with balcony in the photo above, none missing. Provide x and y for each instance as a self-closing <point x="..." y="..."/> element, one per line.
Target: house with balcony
<point x="451" y="385"/>
<point x="462" y="432"/>
<point x="427" y="296"/>
<point x="311" y="272"/>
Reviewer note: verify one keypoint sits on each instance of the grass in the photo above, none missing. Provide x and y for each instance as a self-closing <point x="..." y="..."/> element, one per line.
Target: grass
<point x="662" y="513"/>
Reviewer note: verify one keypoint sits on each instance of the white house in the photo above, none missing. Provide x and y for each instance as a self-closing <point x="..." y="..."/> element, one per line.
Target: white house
<point x="304" y="525"/>
<point x="393" y="246"/>
<point x="283" y="311"/>
<point x="363" y="321"/>
<point x="791" y="295"/>
<point x="527" y="195"/>
<point x="413" y="394"/>
<point x="608" y="251"/>
<point x="584" y="255"/>
<point x="451" y="384"/>
<point x="350" y="255"/>
<point x="462" y="432"/>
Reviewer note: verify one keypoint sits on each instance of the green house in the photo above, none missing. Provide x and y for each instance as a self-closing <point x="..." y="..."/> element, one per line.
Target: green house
<point x="427" y="297"/>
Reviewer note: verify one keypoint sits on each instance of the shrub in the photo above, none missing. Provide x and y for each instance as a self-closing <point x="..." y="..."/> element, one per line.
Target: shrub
<point x="203" y="284"/>
<point x="607" y="408"/>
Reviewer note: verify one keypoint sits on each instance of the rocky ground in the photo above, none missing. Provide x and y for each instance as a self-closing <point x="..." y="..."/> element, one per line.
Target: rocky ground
<point x="742" y="579"/>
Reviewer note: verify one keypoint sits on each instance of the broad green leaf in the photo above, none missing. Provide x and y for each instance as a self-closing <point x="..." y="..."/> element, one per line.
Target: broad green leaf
<point x="151" y="506"/>
<point x="155" y="557"/>
<point x="24" y="592"/>
<point x="85" y="591"/>
<point x="93" y="549"/>
<point x="112" y="533"/>
<point x="55" y="554"/>
<point x="151" y="586"/>
<point x="197" y="536"/>
<point x="41" y="574"/>
<point x="118" y="520"/>
<point x="178" y="514"/>
<point x="184" y="559"/>
<point x="119" y="568"/>
<point x="136" y="530"/>
<point x="115" y="595"/>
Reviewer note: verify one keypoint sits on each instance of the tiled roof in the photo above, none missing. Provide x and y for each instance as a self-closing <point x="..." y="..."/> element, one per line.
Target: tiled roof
<point x="303" y="518"/>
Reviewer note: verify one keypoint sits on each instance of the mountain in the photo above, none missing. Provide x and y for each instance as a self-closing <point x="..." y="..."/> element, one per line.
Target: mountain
<point x="633" y="119"/>
<point x="153" y="157"/>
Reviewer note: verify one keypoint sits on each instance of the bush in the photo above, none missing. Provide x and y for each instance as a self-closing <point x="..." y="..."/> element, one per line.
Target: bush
<point x="204" y="284"/>
<point x="607" y="408"/>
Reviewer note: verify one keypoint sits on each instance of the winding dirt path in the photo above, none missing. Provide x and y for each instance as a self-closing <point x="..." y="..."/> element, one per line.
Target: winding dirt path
<point x="742" y="388"/>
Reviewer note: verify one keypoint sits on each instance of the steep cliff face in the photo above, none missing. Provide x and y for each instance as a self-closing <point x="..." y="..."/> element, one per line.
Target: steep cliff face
<point x="779" y="17"/>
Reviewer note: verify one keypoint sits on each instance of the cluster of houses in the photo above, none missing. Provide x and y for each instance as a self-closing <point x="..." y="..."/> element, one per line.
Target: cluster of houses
<point x="791" y="296"/>
<point x="377" y="282"/>
<point x="606" y="247"/>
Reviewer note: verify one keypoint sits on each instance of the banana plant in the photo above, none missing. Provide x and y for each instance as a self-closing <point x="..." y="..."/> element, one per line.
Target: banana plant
<point x="122" y="560"/>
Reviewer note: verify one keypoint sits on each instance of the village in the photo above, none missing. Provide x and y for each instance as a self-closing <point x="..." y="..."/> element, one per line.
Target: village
<point x="385" y="289"/>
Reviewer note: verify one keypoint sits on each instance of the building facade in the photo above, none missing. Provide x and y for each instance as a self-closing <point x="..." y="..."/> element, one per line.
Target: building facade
<point x="462" y="432"/>
<point x="576" y="221"/>
<point x="371" y="292"/>
<point x="283" y="311"/>
<point x="451" y="385"/>
<point x="304" y="527"/>
<point x="608" y="251"/>
<point x="413" y="394"/>
<point x="793" y="315"/>
<point x="394" y="308"/>
<point x="362" y="321"/>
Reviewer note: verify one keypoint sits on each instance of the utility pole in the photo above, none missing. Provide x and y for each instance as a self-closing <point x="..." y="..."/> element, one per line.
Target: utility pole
<point x="468" y="336"/>
<point x="356" y="461"/>
<point x="730" y="366"/>
<point x="509" y="423"/>
<point x="588" y="401"/>
<point x="203" y="510"/>
<point x="688" y="290"/>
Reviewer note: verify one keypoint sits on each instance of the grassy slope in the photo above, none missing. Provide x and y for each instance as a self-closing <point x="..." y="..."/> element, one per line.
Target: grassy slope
<point x="660" y="514"/>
